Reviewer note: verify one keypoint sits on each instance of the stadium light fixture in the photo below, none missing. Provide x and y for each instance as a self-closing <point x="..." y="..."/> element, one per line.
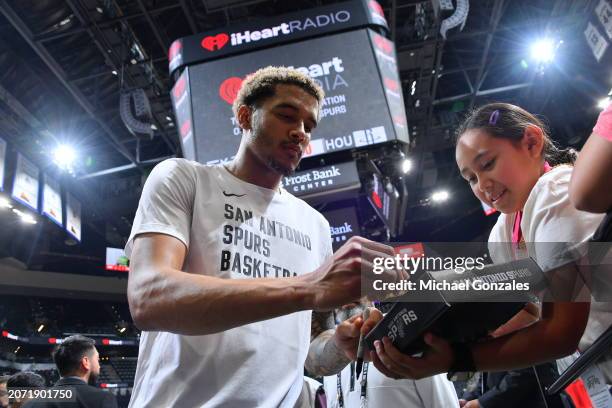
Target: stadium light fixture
<point x="64" y="157"/>
<point x="440" y="196"/>
<point x="406" y="166"/>
<point x="543" y="50"/>
<point x="5" y="203"/>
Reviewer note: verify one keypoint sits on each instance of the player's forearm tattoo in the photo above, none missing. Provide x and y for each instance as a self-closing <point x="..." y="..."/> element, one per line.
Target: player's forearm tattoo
<point x="324" y="357"/>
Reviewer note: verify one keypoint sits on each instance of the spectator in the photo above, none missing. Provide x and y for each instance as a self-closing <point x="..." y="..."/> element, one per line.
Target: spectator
<point x="23" y="380"/>
<point x="4" y="401"/>
<point x="516" y="388"/>
<point x="511" y="164"/>
<point x="78" y="363"/>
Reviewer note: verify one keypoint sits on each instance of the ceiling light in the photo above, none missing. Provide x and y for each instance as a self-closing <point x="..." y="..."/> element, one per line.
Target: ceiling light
<point x="64" y="157"/>
<point x="543" y="50"/>
<point x="440" y="196"/>
<point x="4" y="203"/>
<point x="406" y="166"/>
<point x="41" y="328"/>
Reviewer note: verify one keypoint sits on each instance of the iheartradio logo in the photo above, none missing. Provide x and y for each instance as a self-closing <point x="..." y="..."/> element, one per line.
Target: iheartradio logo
<point x="214" y="42"/>
<point x="229" y="89"/>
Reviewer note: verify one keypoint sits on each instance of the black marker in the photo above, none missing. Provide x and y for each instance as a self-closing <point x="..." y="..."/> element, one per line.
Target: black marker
<point x="361" y="346"/>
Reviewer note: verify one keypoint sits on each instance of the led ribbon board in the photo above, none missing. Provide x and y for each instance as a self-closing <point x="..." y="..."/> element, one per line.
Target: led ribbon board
<point x="276" y="30"/>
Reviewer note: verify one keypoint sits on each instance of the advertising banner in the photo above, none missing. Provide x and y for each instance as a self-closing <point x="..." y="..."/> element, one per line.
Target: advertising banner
<point x="343" y="224"/>
<point x="52" y="200"/>
<point x="25" y="185"/>
<point x="274" y="31"/>
<point x="73" y="217"/>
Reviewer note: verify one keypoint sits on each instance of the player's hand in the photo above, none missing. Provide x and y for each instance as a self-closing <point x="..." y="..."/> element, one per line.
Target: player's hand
<point x="392" y="363"/>
<point x="339" y="280"/>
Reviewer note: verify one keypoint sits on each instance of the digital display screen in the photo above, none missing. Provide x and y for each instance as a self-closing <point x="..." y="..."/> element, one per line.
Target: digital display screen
<point x="355" y="112"/>
<point x="116" y="260"/>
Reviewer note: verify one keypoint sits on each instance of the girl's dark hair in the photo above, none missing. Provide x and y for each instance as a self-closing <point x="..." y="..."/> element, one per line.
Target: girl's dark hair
<point x="509" y="121"/>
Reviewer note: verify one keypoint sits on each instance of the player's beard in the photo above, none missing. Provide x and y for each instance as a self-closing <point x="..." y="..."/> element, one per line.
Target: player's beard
<point x="260" y="138"/>
<point x="279" y="168"/>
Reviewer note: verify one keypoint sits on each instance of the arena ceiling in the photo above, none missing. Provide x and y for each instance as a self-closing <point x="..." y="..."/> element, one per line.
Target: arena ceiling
<point x="63" y="64"/>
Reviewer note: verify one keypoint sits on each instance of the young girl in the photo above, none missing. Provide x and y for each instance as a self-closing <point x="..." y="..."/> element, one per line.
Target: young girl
<point x="507" y="157"/>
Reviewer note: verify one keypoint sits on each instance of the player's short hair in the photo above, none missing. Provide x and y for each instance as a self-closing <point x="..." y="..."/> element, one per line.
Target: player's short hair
<point x="262" y="84"/>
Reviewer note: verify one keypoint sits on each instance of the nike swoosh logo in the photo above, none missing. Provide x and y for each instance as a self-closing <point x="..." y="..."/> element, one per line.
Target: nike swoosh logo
<point x="232" y="195"/>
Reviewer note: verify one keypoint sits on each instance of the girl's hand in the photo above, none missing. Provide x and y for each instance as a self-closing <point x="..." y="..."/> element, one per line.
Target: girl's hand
<point x="392" y="363"/>
<point x="526" y="317"/>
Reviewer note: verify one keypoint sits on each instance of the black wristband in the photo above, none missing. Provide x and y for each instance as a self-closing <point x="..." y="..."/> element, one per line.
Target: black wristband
<point x="462" y="359"/>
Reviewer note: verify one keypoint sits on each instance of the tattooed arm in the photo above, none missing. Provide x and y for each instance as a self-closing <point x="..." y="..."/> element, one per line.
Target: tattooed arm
<point x="332" y="349"/>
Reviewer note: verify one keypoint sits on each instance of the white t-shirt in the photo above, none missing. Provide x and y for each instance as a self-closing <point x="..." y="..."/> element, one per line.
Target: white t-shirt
<point x="385" y="392"/>
<point x="548" y="218"/>
<point x="233" y="230"/>
<point x="550" y="223"/>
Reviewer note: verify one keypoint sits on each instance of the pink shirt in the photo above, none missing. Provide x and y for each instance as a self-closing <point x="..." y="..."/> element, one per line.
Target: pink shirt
<point x="603" y="127"/>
